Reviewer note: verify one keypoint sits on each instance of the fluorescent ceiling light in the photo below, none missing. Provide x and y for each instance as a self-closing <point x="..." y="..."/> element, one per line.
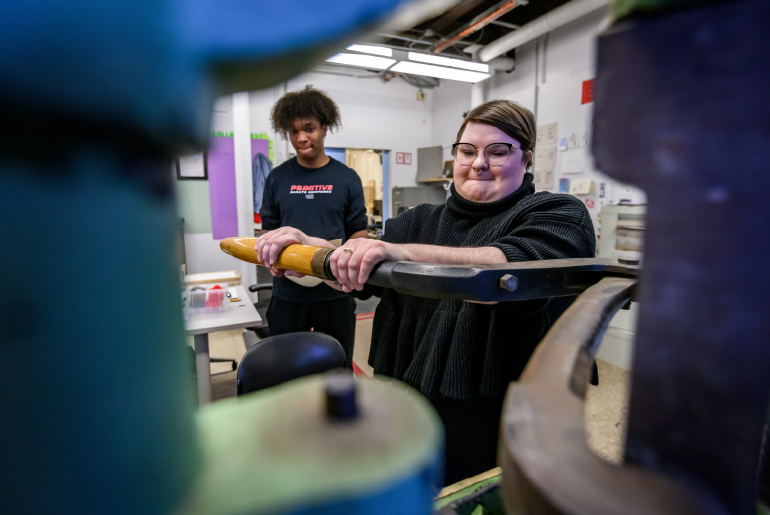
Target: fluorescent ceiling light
<point x="477" y="67"/>
<point x="364" y="61"/>
<point x="369" y="49"/>
<point x="439" y="72"/>
<point x="431" y="59"/>
<point x="445" y="61"/>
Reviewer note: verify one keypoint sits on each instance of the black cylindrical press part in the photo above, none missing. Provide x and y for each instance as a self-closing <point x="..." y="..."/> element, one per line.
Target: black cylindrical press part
<point x="341" y="401"/>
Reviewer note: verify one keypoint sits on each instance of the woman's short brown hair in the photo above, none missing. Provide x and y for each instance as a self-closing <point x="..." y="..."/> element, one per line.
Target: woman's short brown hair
<point x="513" y="119"/>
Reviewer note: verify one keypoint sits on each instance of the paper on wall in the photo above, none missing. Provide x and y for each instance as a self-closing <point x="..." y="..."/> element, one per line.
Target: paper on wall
<point x="545" y="166"/>
<point x="545" y="158"/>
<point x="543" y="179"/>
<point x="547" y="134"/>
<point x="581" y="187"/>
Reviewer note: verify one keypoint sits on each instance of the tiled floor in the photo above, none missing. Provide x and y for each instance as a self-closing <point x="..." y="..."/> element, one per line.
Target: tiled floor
<point x="606" y="412"/>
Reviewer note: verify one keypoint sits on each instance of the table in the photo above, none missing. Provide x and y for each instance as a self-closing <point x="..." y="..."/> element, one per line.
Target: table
<point x="240" y="314"/>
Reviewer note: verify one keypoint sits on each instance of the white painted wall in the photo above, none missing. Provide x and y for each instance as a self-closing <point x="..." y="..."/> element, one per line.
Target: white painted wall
<point x="222" y="115"/>
<point x="204" y="255"/>
<point x="260" y="104"/>
<point x="451" y="101"/>
<point x="503" y="84"/>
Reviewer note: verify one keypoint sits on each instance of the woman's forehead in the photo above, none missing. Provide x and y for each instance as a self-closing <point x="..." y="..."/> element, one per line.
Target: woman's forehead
<point x="481" y="134"/>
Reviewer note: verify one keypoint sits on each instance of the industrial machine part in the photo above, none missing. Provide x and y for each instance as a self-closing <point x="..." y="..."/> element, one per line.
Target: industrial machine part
<point x="674" y="89"/>
<point x="547" y="464"/>
<point x="310" y="446"/>
<point x="472" y="496"/>
<point x="487" y="283"/>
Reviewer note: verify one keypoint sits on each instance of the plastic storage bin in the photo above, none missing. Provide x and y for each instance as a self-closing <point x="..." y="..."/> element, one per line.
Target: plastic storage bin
<point x="204" y="299"/>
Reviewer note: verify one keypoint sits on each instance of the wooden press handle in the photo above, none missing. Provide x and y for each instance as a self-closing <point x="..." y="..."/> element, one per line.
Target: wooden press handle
<point x="305" y="259"/>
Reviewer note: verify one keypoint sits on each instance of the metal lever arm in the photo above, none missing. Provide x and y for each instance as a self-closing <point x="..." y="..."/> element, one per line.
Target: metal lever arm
<point x="506" y="282"/>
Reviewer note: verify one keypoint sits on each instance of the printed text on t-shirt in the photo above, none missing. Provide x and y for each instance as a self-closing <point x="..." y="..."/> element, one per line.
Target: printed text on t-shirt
<point x="315" y="188"/>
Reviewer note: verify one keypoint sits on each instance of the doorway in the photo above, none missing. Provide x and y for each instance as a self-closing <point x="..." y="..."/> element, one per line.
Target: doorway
<point x="372" y="166"/>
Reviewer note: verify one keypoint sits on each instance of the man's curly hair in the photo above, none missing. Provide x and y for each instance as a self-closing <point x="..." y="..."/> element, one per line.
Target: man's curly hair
<point x="306" y="103"/>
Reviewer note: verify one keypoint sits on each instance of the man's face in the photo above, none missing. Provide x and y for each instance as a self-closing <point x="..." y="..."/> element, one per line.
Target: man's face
<point x="307" y="137"/>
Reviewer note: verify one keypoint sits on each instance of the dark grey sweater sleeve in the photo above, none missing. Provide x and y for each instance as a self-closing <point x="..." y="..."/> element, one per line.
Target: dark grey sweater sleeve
<point x="556" y="227"/>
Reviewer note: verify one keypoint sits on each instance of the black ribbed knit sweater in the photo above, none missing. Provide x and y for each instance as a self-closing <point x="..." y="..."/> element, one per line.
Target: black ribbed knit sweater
<point x="460" y="350"/>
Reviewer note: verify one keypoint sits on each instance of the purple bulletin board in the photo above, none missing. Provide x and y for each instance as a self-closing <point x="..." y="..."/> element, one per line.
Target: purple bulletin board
<point x="222" y="191"/>
<point x="224" y="207"/>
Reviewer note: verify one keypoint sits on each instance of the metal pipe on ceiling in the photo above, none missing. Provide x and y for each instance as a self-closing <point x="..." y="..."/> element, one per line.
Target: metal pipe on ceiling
<point x="546" y="23"/>
<point x="505" y="24"/>
<point x="478" y="23"/>
<point x="503" y="64"/>
<point x="413" y="40"/>
<point x="405" y="49"/>
<point x="404" y="38"/>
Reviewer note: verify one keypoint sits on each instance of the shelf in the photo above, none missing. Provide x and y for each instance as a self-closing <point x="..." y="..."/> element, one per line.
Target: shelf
<point x="436" y="179"/>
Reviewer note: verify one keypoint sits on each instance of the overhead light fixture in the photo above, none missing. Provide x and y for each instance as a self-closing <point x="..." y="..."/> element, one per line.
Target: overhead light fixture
<point x="439" y="72"/>
<point x="364" y="61"/>
<point x="446" y="61"/>
<point x="430" y="59"/>
<point x="468" y="65"/>
<point x="370" y="49"/>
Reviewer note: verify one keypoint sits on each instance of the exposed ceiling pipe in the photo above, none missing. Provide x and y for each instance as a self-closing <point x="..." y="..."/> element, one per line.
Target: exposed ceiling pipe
<point x="413" y="40"/>
<point x="542" y="25"/>
<point x="478" y="23"/>
<point x="511" y="26"/>
<point x="503" y="64"/>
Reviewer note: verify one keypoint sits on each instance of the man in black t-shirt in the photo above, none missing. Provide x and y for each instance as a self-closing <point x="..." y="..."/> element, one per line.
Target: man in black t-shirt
<point x="322" y="198"/>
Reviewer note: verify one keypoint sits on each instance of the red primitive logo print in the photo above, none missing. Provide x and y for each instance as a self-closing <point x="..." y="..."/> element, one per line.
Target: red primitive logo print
<point x="315" y="188"/>
<point x="590" y="203"/>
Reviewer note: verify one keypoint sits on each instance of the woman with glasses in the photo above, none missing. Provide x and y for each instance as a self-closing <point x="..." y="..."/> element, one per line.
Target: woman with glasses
<point x="462" y="355"/>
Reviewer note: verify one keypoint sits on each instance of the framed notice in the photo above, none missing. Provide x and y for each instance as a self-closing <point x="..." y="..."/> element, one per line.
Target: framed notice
<point x="192" y="167"/>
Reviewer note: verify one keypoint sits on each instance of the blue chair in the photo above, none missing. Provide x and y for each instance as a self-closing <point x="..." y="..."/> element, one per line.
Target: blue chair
<point x="284" y="357"/>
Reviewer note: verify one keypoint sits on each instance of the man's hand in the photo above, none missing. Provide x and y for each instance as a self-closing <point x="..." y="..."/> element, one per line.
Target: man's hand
<point x="352" y="263"/>
<point x="280" y="272"/>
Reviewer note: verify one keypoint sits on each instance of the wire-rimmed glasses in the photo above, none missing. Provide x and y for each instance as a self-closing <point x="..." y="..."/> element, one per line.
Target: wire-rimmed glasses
<point x="496" y="154"/>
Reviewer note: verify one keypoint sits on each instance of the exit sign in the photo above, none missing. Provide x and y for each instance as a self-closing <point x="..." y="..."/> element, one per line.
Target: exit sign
<point x="403" y="158"/>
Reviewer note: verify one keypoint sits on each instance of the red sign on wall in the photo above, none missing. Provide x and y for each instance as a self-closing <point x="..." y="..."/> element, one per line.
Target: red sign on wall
<point x="403" y="158"/>
<point x="588" y="91"/>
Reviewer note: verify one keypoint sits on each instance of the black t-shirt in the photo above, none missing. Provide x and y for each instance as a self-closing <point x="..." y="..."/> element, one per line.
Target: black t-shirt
<point x="325" y="202"/>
